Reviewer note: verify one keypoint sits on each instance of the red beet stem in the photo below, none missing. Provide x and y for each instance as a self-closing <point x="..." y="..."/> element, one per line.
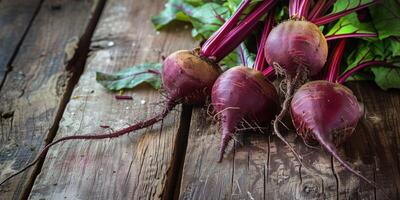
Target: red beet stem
<point x="123" y="97"/>
<point x="260" y="62"/>
<point x="142" y="124"/>
<point x="292" y="7"/>
<point x="269" y="72"/>
<point x="242" y="56"/>
<point x="350" y="35"/>
<point x="239" y="33"/>
<point x="303" y="8"/>
<point x="316" y="10"/>
<point x="334" y="66"/>
<point x="210" y="44"/>
<point x="332" y="17"/>
<point x="320" y="8"/>
<point x="361" y="66"/>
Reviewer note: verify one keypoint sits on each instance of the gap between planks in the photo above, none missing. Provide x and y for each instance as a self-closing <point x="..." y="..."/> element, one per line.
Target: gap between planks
<point x="75" y="66"/>
<point x="174" y="176"/>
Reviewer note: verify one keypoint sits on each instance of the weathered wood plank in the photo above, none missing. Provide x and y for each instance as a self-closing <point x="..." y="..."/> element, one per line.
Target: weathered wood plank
<point x="134" y="166"/>
<point x="15" y="19"/>
<point x="263" y="168"/>
<point x="33" y="95"/>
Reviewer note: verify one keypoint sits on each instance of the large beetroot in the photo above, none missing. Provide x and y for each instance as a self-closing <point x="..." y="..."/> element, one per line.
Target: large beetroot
<point x="242" y="94"/>
<point x="328" y="113"/>
<point x="296" y="46"/>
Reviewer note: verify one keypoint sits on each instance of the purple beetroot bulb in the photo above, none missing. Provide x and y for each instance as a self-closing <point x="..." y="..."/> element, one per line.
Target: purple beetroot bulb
<point x="297" y="43"/>
<point x="325" y="107"/>
<point x="242" y="93"/>
<point x="187" y="78"/>
<point x="327" y="113"/>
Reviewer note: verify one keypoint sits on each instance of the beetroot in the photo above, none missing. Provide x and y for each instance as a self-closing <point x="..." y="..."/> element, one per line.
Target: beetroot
<point x="242" y="94"/>
<point x="328" y="113"/>
<point x="296" y="44"/>
<point x="187" y="78"/>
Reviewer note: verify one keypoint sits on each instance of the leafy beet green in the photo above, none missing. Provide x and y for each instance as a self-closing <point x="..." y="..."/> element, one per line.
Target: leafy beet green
<point x="350" y="25"/>
<point x="175" y="10"/>
<point x="387" y="51"/>
<point x="131" y="77"/>
<point x="386" y="18"/>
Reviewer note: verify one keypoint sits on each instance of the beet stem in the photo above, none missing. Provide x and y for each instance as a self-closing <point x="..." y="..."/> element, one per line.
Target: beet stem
<point x="260" y="60"/>
<point x="334" y="66"/>
<point x="316" y="10"/>
<point x="304" y="8"/>
<point x="242" y="56"/>
<point x="350" y="35"/>
<point x="292" y="7"/>
<point x="216" y="38"/>
<point x="142" y="124"/>
<point x="239" y="33"/>
<point x="269" y="72"/>
<point x="123" y="97"/>
<point x="332" y="17"/>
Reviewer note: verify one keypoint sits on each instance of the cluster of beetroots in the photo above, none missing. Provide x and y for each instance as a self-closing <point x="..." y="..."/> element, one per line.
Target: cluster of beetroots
<point x="322" y="110"/>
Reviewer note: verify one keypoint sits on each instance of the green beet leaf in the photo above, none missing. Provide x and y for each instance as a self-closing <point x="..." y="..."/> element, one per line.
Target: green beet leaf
<point x="386" y="18"/>
<point x="350" y="24"/>
<point x="131" y="77"/>
<point x="385" y="50"/>
<point x="175" y="10"/>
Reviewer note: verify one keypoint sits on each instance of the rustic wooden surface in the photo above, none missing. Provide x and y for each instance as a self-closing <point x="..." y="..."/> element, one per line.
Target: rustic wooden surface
<point x="263" y="168"/>
<point x="135" y="166"/>
<point x="34" y="91"/>
<point x="15" y="20"/>
<point x="51" y="91"/>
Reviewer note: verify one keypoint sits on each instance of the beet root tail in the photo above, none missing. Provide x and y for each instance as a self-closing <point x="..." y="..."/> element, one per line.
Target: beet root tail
<point x="226" y="138"/>
<point x="330" y="147"/>
<point x="140" y="125"/>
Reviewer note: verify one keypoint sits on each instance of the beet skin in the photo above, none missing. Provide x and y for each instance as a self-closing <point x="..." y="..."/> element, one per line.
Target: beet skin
<point x="294" y="43"/>
<point x="187" y="78"/>
<point x="327" y="108"/>
<point x="328" y="113"/>
<point x="243" y="94"/>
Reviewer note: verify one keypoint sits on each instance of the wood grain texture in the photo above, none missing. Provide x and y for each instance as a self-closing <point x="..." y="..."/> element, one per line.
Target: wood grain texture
<point x="15" y="20"/>
<point x="259" y="166"/>
<point x="134" y="166"/>
<point x="33" y="92"/>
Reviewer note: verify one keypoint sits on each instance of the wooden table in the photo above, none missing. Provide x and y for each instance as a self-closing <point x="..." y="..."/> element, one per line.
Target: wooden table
<point x="49" y="53"/>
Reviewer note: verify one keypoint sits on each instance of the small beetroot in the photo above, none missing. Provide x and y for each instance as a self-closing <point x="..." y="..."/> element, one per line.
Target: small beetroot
<point x="242" y="94"/>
